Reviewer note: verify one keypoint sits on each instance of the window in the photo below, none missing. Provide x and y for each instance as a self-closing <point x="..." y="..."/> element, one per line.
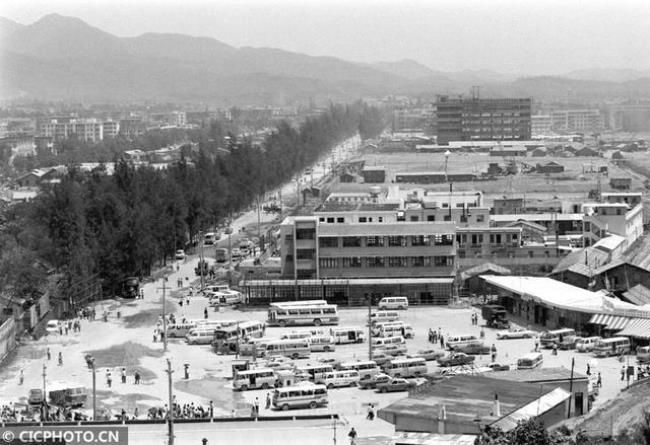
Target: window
<point x="431" y="217"/>
<point x="288" y="238"/>
<point x="330" y="220"/>
<point x="289" y="258"/>
<point x="362" y="219"/>
<point x="352" y="262"/>
<point x="441" y="261"/>
<point x="376" y="261"/>
<point x="443" y="240"/>
<point x="328" y="263"/>
<point x="305" y="233"/>
<point x="530" y="254"/>
<point x="419" y="240"/>
<point x="305" y="254"/>
<point x="340" y="220"/>
<point x="397" y="261"/>
<point x="463" y="218"/>
<point x="397" y="241"/>
<point x="351" y="241"/>
<point x="447" y="218"/>
<point x="380" y="219"/>
<point x="375" y="241"/>
<point x="415" y="218"/>
<point x="321" y="219"/>
<point x="328" y="241"/>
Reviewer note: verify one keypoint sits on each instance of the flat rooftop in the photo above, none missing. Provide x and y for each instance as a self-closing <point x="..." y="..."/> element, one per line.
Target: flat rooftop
<point x="334" y="206"/>
<point x="536" y="375"/>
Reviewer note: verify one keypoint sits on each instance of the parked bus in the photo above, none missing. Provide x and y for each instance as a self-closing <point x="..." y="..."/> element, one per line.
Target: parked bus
<point x="221" y="254"/>
<point x="336" y="379"/>
<point x="548" y="338"/>
<point x="406" y="367"/>
<point x="530" y="361"/>
<point x="322" y="343"/>
<point x="226" y="339"/>
<point x="314" y="313"/>
<point x="394" y="329"/>
<point x="366" y="369"/>
<point x="385" y="341"/>
<point x="303" y="395"/>
<point x="296" y="335"/>
<point x="316" y="372"/>
<point x="612" y="346"/>
<point x="347" y="335"/>
<point x="458" y="341"/>
<point x="383" y="316"/>
<point x="180" y="330"/>
<point x="643" y="354"/>
<point x="263" y="378"/>
<point x="294" y="349"/>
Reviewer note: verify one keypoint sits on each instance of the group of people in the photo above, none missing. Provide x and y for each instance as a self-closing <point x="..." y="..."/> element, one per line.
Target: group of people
<point x="185" y="411"/>
<point x="66" y="326"/>
<point x="123" y="376"/>
<point x="12" y="413"/>
<point x="436" y="336"/>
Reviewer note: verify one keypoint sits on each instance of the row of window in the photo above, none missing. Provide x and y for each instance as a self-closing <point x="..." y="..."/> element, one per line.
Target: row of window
<point x="495" y="238"/>
<point x="390" y="241"/>
<point x="511" y="254"/>
<point x="391" y="261"/>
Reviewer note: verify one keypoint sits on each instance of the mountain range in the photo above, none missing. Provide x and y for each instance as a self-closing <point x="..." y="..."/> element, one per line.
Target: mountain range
<point x="64" y="58"/>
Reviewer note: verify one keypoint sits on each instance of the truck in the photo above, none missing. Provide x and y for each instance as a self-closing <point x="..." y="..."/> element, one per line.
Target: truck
<point x="130" y="287"/>
<point x="495" y="316"/>
<point x="203" y="268"/>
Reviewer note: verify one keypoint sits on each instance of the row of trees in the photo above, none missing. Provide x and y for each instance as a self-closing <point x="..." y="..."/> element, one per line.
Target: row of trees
<point x="113" y="226"/>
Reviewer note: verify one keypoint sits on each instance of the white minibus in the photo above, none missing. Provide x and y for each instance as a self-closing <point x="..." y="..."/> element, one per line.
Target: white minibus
<point x="387" y="303"/>
<point x="385" y="341"/>
<point x="302" y="395"/>
<point x="557" y="336"/>
<point x="394" y="329"/>
<point x="383" y="316"/>
<point x="294" y="349"/>
<point x="366" y="369"/>
<point x="459" y="341"/>
<point x="336" y="379"/>
<point x="587" y="344"/>
<point x="316" y="373"/>
<point x="199" y="336"/>
<point x="347" y="335"/>
<point x="322" y="343"/>
<point x="179" y="330"/>
<point x="530" y="361"/>
<point x="612" y="346"/>
<point x="406" y="367"/>
<point x="263" y="378"/>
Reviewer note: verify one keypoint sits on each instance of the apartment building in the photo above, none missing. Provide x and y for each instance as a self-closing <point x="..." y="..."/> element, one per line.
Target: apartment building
<point x="618" y="218"/>
<point x="583" y="120"/>
<point x="541" y="124"/>
<point x="478" y="119"/>
<point x="89" y="130"/>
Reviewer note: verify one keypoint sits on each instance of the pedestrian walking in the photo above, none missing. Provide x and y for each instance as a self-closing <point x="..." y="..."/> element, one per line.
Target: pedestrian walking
<point x="136" y="377"/>
<point x="22" y="377"/>
<point x="442" y="342"/>
<point x="623" y="373"/>
<point x="482" y="333"/>
<point x="353" y="436"/>
<point x="155" y="335"/>
<point x="60" y="358"/>
<point x="493" y="350"/>
<point x="268" y="400"/>
<point x="371" y="412"/>
<point x="588" y="369"/>
<point x="205" y="313"/>
<point x="109" y="379"/>
<point x="123" y="375"/>
<point x="554" y="348"/>
<point x="211" y="409"/>
<point x="599" y="382"/>
<point x="257" y="406"/>
<point x="136" y="413"/>
<point x="536" y="344"/>
<point x="430" y="335"/>
<point x="49" y="354"/>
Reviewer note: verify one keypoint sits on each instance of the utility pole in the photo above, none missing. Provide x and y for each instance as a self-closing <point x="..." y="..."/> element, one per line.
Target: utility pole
<point x="573" y="362"/>
<point x="202" y="260"/>
<point x="334" y="430"/>
<point x="164" y="315"/>
<point x="92" y="367"/>
<point x="170" y="413"/>
<point x="44" y="390"/>
<point x="229" y="232"/>
<point x="369" y="327"/>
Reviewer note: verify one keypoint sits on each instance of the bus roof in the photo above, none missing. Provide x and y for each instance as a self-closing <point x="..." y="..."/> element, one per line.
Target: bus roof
<point x="531" y="356"/>
<point x="300" y="303"/>
<point x="254" y="371"/>
<point x="613" y="339"/>
<point x="359" y="362"/>
<point x="301" y="385"/>
<point x="408" y="360"/>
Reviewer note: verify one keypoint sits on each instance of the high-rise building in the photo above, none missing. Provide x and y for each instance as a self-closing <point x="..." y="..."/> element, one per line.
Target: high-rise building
<point x="475" y="119"/>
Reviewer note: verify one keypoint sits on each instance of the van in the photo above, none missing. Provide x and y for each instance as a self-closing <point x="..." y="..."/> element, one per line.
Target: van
<point x="643" y="354"/>
<point x="400" y="303"/>
<point x="587" y="344"/>
<point x="381" y="316"/>
<point x="179" y="330"/>
<point x="221" y="254"/>
<point x="549" y="338"/>
<point x="200" y="337"/>
<point x="296" y="335"/>
<point x="337" y="379"/>
<point x="395" y="329"/>
<point x="459" y="341"/>
<point x="347" y="335"/>
<point x="390" y="350"/>
<point x="530" y="361"/>
<point x="385" y="341"/>
<point x="366" y="369"/>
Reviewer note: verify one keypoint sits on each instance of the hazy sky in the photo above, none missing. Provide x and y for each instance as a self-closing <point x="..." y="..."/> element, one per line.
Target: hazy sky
<point x="511" y="36"/>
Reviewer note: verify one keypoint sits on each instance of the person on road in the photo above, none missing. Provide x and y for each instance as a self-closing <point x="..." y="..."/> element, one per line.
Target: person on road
<point x="268" y="400"/>
<point x="493" y="350"/>
<point x="353" y="436"/>
<point x="554" y="348"/>
<point x="123" y="375"/>
<point x="257" y="406"/>
<point x="205" y="313"/>
<point x="371" y="412"/>
<point x="109" y="379"/>
<point x="49" y="354"/>
<point x="136" y="377"/>
<point x="60" y="358"/>
<point x="22" y="377"/>
<point x="599" y="382"/>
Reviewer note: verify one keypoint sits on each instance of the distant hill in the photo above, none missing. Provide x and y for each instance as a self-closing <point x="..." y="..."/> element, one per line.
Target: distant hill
<point x="608" y="75"/>
<point x="64" y="58"/>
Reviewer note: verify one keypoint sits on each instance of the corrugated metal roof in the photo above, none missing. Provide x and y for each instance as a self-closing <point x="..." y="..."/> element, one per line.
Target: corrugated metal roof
<point x="433" y="439"/>
<point x="533" y="409"/>
<point x="638" y="328"/>
<point x="638" y="294"/>
<point x="482" y="268"/>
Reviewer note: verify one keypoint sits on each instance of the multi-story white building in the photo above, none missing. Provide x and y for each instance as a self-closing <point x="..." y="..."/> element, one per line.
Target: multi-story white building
<point x="577" y="120"/>
<point x="110" y="128"/>
<point x="89" y="130"/>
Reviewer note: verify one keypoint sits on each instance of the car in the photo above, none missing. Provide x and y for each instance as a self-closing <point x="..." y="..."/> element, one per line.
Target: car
<point x="35" y="397"/>
<point x="392" y="350"/>
<point x="515" y="333"/>
<point x="495" y="366"/>
<point x="473" y="349"/>
<point x="430" y="354"/>
<point x="180" y="254"/>
<point x="456" y="359"/>
<point x="394" y="385"/>
<point x="52" y="326"/>
<point x="372" y="382"/>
